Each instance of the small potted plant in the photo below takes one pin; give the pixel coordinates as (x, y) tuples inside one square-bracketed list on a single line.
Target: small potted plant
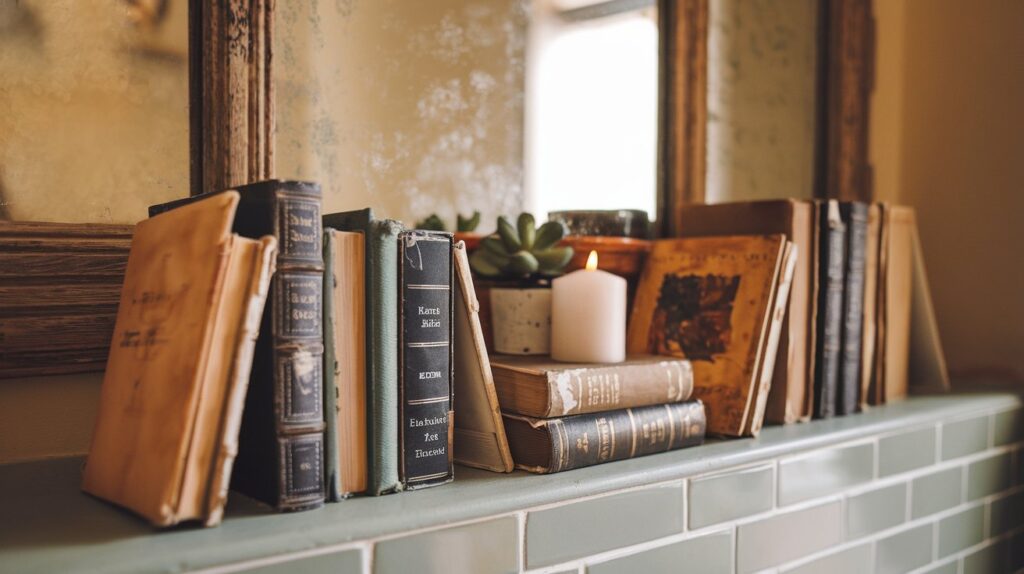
[(465, 228), (516, 265)]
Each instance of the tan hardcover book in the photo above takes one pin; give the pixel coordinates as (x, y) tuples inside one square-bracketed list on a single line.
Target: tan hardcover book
[(710, 300), (543, 388), (895, 282), (479, 435), (171, 403), (790, 399), (345, 438), (871, 274)]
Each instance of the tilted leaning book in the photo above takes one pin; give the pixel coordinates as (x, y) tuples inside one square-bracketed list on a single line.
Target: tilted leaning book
[(558, 444), (543, 388), (176, 379), (281, 446)]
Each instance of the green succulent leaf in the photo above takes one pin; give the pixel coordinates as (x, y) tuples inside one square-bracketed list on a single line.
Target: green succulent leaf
[(482, 265), (549, 234), (553, 260), (493, 244), (522, 263), (467, 224), (432, 223), (527, 230), (508, 235)]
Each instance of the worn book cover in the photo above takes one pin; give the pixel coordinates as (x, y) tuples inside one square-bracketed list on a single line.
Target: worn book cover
[(538, 386), (855, 219), (172, 397), (709, 300), (831, 271), (792, 390), (565, 443)]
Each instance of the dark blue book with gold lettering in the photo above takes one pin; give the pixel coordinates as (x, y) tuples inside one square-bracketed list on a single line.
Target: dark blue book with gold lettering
[(281, 442)]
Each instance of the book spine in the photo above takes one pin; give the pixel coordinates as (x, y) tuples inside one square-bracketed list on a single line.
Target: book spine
[(382, 353), (592, 390), (830, 310), (296, 332), (855, 218), (332, 474), (596, 438), (426, 358)]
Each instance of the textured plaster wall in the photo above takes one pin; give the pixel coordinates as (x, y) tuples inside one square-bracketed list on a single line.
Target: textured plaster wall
[(408, 107), (761, 99)]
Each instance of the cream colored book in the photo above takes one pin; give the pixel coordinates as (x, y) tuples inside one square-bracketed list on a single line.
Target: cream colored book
[(171, 404)]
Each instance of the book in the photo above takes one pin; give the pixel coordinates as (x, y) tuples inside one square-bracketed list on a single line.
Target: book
[(868, 336), (895, 279), (831, 253), (712, 301), (791, 396), (479, 435), (855, 219), (565, 443), (425, 358), (345, 459), (281, 446), (59, 288), (541, 387), (381, 244), (171, 403)]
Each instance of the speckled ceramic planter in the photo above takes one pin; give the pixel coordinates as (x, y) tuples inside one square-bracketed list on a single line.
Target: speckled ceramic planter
[(521, 319)]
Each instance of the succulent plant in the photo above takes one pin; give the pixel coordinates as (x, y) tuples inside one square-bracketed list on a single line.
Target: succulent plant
[(467, 224), (463, 224), (521, 251), (432, 223)]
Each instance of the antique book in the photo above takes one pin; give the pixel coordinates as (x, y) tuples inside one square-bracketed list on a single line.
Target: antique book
[(553, 445), (711, 300), (172, 397), (868, 336), (381, 243), (895, 283), (538, 386), (927, 369), (345, 460), (59, 288), (831, 255), (855, 220), (792, 386), (425, 358), (280, 458), (479, 434)]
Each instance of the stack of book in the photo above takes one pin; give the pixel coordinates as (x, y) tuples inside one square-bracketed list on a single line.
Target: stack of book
[(561, 416)]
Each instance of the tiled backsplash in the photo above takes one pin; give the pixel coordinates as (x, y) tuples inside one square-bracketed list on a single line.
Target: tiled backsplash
[(946, 496)]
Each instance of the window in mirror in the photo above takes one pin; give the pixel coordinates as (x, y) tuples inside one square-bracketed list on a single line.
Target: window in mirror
[(592, 105)]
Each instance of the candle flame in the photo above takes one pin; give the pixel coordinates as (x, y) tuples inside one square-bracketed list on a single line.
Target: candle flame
[(592, 261)]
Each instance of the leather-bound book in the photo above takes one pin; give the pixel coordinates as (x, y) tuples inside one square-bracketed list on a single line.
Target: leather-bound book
[(554, 445), (425, 358), (380, 238), (281, 447), (174, 388), (832, 252), (542, 388), (791, 396), (855, 219), (895, 283)]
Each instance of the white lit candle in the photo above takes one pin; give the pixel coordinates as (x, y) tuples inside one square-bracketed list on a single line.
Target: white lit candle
[(588, 316)]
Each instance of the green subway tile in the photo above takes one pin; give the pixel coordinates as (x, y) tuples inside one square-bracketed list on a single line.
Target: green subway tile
[(989, 476), (787, 537), (1017, 552), (935, 492), (728, 496), (1019, 455), (950, 567), (905, 551), (483, 547), (992, 558), (583, 528), (824, 472), (1006, 514), (961, 530), (707, 554), (906, 451), (876, 510), (1009, 427), (854, 560), (961, 438), (346, 562)]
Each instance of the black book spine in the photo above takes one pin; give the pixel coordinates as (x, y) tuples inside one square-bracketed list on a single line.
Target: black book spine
[(425, 358), (830, 309), (586, 440), (855, 218)]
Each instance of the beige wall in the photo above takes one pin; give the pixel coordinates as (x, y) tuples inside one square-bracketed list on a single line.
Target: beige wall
[(947, 136), (761, 99)]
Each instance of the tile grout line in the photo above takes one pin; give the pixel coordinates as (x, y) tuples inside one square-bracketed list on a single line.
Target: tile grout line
[(521, 519)]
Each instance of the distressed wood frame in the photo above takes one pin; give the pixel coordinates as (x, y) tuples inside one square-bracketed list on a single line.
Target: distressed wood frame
[(682, 108), (231, 93)]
